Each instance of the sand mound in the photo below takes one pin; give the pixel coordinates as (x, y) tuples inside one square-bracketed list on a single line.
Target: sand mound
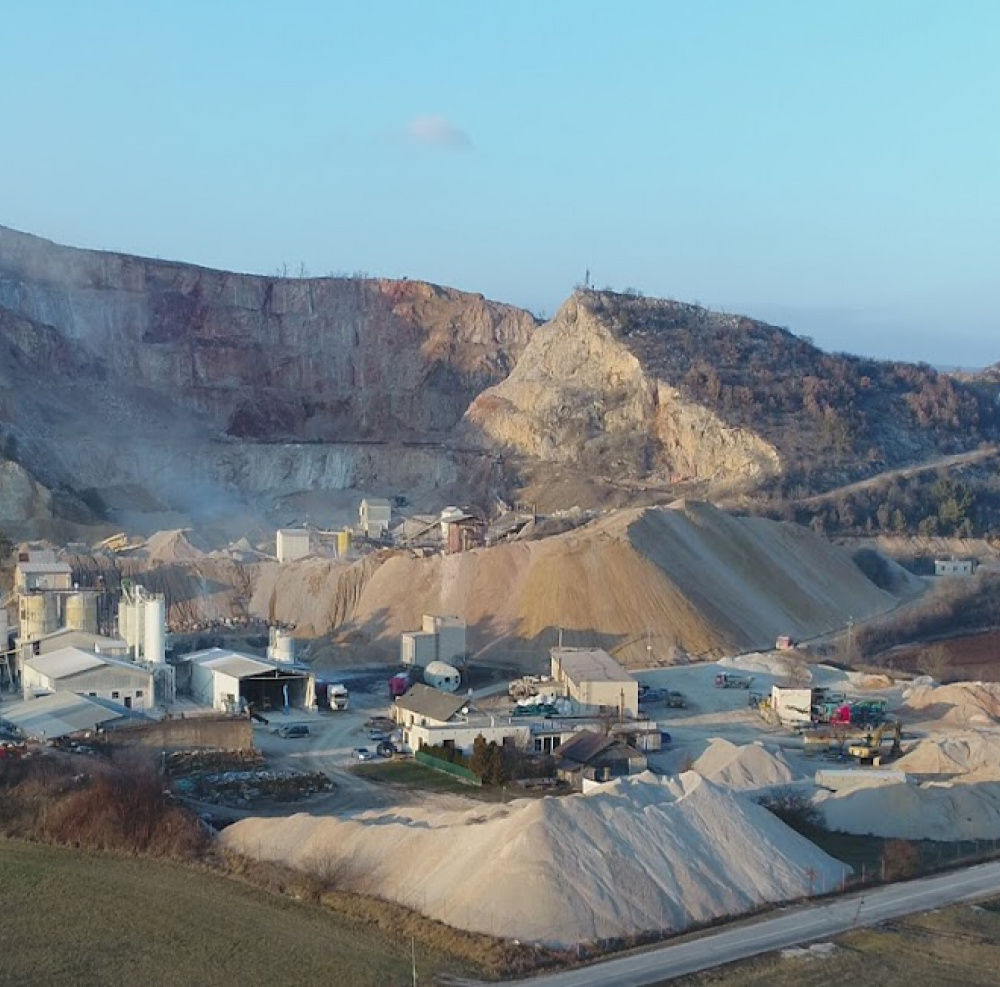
[(748, 767), (959, 754), (173, 546), (708, 583), (933, 811), (967, 704), (632, 855)]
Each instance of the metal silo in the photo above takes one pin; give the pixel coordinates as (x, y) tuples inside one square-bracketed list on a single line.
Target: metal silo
[(81, 612)]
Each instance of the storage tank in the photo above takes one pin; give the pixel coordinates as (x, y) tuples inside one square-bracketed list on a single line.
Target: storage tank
[(39, 614), (343, 542), (440, 675), (281, 647), (155, 631), (131, 622), (81, 612)]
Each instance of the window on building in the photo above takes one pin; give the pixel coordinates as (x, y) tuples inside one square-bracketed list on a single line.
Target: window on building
[(138, 693), (92, 694), (115, 694)]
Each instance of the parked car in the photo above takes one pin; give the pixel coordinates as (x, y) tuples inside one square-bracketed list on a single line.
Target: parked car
[(293, 730), (377, 735), (363, 754)]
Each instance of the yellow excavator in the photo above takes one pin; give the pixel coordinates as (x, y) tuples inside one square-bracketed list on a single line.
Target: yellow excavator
[(869, 750)]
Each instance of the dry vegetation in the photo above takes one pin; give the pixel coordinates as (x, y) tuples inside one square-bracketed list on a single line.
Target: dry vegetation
[(954, 606), (958, 945)]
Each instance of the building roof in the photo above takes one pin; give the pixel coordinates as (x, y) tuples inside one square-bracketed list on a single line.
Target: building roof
[(238, 665), (584, 746), (65, 662), (589, 665), (63, 713), (432, 703), (70, 637), (39, 568), (294, 532)]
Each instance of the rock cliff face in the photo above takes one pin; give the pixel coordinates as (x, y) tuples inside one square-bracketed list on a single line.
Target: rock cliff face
[(271, 358), (580, 395), (124, 370)]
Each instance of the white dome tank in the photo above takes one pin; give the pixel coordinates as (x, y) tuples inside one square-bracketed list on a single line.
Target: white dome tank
[(441, 675)]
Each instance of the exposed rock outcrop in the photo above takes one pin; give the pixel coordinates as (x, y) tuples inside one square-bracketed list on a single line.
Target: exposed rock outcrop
[(581, 395)]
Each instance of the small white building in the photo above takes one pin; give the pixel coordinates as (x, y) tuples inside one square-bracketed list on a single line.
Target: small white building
[(229, 680), (592, 678), (427, 716), (374, 515), (292, 544), (954, 567), (89, 674), (442, 638)]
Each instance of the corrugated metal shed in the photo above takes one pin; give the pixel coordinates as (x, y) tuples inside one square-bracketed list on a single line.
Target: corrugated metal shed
[(44, 568), (63, 714), (238, 665)]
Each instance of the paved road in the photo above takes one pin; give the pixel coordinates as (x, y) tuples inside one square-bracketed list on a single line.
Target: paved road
[(792, 927)]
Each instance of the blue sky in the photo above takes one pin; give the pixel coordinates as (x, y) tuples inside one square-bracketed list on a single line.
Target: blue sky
[(833, 167)]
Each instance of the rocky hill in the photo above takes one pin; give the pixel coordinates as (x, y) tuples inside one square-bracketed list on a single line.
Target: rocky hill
[(662, 391), (126, 381)]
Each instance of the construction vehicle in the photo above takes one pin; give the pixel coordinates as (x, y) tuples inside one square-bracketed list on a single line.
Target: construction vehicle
[(732, 680), (869, 750)]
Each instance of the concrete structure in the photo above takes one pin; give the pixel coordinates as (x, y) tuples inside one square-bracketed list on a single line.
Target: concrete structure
[(374, 516), (442, 638), (791, 706), (30, 576), (428, 716), (292, 544), (80, 611), (440, 675), (231, 680), (594, 680), (90, 674), (65, 714), (38, 615), (954, 567)]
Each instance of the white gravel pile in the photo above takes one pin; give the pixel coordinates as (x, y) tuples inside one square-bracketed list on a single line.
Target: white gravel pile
[(966, 704), (746, 767), (634, 855), (972, 752), (942, 811)]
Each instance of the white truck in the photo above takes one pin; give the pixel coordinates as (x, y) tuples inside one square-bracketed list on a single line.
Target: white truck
[(338, 696)]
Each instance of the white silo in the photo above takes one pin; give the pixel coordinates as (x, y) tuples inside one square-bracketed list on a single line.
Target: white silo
[(282, 646), (81, 612), (155, 631)]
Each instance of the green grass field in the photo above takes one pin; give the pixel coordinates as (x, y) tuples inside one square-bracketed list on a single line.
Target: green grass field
[(73, 917)]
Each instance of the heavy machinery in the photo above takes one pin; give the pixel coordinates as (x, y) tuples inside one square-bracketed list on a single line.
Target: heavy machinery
[(869, 750), (732, 680)]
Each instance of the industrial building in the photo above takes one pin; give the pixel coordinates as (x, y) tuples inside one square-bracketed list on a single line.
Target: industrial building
[(70, 637), (954, 567), (428, 716), (442, 638), (89, 674), (39, 570), (65, 714), (594, 680), (292, 544), (375, 515), (231, 681)]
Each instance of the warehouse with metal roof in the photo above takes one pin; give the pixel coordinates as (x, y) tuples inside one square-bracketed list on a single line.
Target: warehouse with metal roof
[(90, 674), (230, 680), (64, 714)]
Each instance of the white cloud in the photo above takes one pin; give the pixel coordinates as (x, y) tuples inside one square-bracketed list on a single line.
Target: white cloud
[(437, 131)]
